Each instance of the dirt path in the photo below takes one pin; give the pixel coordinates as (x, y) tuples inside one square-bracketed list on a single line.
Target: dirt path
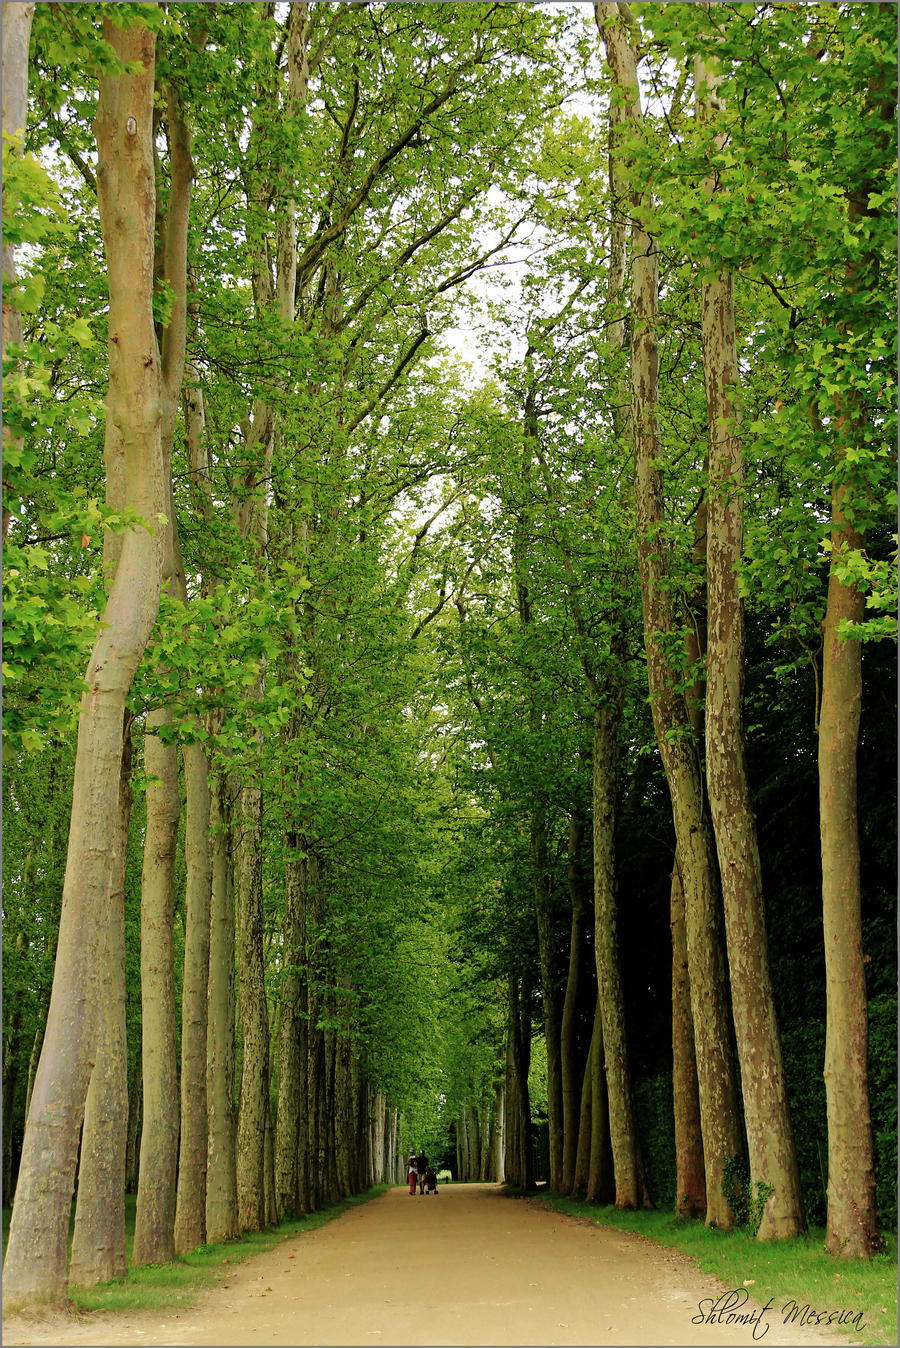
[(466, 1267)]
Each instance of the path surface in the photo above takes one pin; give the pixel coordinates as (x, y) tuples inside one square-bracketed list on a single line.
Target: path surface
[(466, 1267)]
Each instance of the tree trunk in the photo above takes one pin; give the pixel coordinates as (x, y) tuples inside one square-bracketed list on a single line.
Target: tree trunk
[(98, 1240), (379, 1149), (519, 1160), (498, 1134), (690, 1177), (254, 1092), (770, 1143), (572, 1073), (287, 1127), (549, 991), (154, 1226), (583, 1152), (462, 1133), (221, 1174), (715, 1071), (36, 1255), (343, 1116), (852, 1221), (270, 1206), (622, 1122), (600, 1185), (484, 1131), (190, 1208)]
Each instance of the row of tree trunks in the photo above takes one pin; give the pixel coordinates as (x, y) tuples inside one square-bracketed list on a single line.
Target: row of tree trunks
[(36, 1263)]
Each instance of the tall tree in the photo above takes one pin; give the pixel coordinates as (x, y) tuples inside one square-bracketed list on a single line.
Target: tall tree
[(718, 1103), (35, 1263), (773, 1163)]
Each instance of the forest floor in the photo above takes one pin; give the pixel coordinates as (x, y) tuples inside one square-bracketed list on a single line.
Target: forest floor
[(469, 1266)]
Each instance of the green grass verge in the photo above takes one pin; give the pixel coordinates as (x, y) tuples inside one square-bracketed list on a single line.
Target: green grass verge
[(159, 1287), (795, 1270)]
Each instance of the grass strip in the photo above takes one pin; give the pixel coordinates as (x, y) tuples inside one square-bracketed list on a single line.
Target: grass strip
[(160, 1287), (791, 1273)]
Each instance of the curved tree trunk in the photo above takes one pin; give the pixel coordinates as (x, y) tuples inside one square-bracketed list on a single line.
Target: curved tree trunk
[(36, 1255)]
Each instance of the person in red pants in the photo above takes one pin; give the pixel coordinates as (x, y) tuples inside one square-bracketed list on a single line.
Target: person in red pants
[(412, 1172)]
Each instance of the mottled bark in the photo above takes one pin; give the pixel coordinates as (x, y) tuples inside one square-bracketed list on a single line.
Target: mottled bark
[(154, 1232), (154, 1225), (690, 1176), (622, 1121), (36, 1255), (190, 1206), (221, 1174), (98, 1240), (715, 1069), (254, 1093), (770, 1143)]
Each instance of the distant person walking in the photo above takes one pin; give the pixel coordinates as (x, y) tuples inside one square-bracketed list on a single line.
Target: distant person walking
[(421, 1167), (412, 1172)]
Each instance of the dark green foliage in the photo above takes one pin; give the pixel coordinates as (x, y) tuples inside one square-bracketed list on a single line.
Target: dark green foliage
[(803, 1052), (656, 1128), (746, 1204), (883, 1101)]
